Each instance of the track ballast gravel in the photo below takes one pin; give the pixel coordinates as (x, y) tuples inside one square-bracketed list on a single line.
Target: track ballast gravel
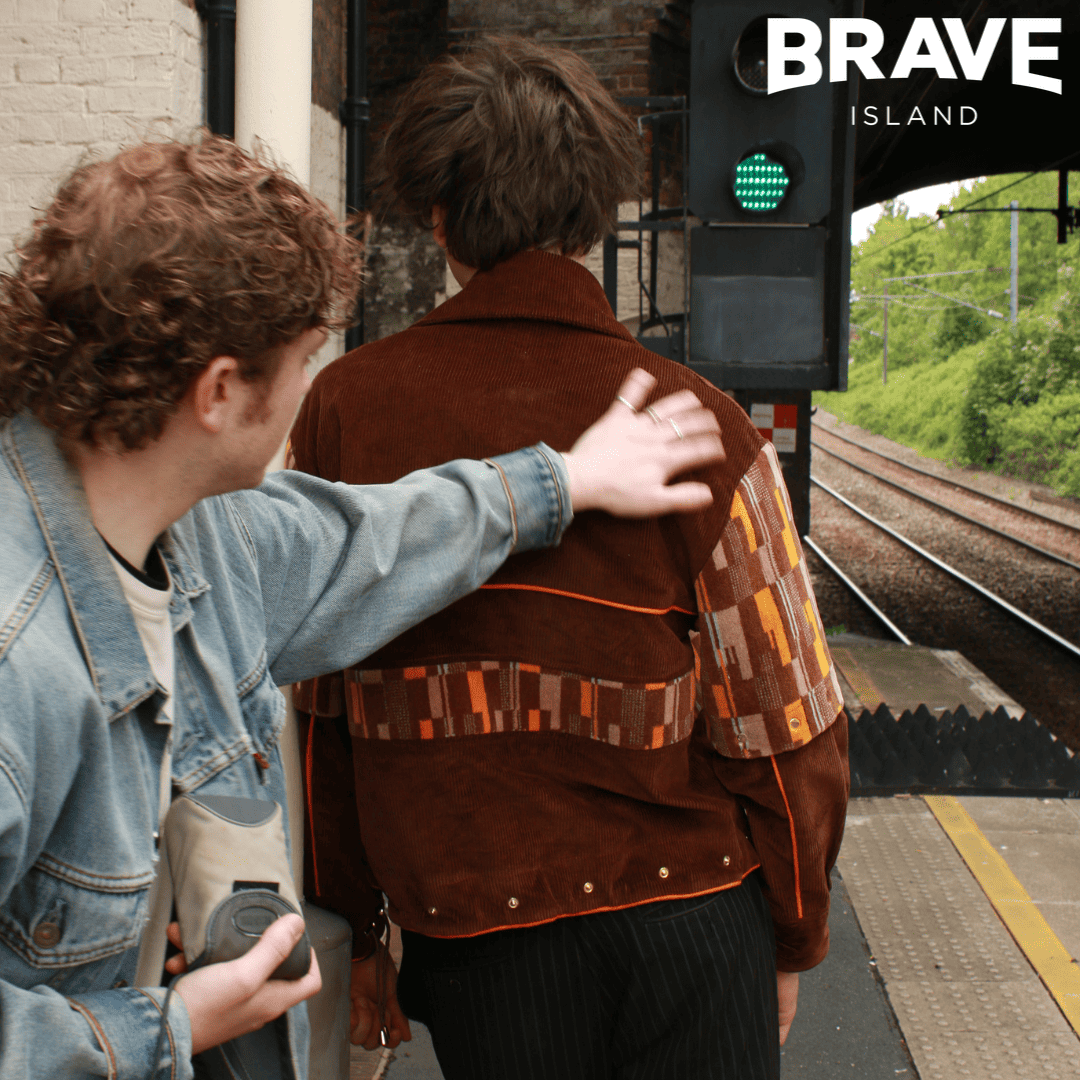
[(935, 610)]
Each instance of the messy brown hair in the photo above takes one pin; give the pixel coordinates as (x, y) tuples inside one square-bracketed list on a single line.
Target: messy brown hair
[(519, 144), (146, 267)]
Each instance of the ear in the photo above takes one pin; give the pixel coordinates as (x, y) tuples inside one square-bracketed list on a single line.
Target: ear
[(214, 393), (438, 226)]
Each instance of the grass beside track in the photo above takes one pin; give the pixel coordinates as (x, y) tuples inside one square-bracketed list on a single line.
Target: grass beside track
[(919, 406)]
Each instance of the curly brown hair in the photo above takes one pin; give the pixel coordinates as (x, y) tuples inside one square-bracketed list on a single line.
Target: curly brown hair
[(521, 146), (146, 267)]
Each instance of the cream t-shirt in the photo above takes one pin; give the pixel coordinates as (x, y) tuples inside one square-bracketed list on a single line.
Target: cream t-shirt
[(150, 609)]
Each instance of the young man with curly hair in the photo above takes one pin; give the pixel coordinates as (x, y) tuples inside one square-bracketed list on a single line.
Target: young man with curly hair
[(602, 794), (155, 589)]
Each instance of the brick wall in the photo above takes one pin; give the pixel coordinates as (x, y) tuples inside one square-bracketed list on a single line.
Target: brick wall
[(81, 77), (406, 268), (613, 35)]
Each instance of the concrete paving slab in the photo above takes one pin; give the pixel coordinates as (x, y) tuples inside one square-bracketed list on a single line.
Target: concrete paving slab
[(967, 1001), (1039, 815), (852, 702), (1040, 840), (415, 1060), (973, 1031)]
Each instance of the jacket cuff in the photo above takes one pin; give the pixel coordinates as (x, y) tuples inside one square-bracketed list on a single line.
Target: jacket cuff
[(127, 1024), (537, 486), (802, 946)]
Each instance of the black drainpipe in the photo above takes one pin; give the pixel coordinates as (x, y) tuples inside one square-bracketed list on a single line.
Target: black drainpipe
[(354, 116), (220, 16)]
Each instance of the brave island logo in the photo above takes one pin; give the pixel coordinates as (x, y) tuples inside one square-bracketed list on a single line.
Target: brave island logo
[(798, 42)]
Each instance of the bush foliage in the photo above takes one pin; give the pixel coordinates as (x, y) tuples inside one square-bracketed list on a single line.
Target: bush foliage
[(963, 385)]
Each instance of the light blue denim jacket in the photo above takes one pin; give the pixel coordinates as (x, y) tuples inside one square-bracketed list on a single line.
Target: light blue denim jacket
[(293, 579)]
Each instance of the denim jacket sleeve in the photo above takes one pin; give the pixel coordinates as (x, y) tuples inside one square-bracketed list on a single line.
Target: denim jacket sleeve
[(344, 569), (110, 1033)]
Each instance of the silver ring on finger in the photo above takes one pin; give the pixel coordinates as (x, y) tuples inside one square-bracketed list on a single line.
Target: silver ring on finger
[(671, 421), (656, 418), (619, 397)]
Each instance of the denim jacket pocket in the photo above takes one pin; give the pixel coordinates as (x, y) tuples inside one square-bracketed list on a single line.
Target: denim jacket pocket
[(263, 706), (64, 932)]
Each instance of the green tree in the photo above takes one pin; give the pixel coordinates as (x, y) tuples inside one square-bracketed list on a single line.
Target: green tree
[(959, 327), (964, 384), (1022, 409)]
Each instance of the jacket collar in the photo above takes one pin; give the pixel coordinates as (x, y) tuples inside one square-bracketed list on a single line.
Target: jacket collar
[(533, 285), (101, 616)]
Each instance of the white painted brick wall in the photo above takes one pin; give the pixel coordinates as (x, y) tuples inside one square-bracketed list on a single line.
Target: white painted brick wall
[(84, 77)]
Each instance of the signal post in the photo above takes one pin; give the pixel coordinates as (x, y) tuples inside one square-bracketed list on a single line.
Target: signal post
[(771, 178)]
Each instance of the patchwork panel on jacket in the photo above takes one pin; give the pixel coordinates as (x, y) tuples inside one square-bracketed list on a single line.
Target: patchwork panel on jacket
[(767, 680), (482, 697)]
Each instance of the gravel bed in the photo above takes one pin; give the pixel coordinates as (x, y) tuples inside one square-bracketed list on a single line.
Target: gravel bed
[(1063, 539), (1045, 590), (933, 609), (1065, 511), (840, 611)]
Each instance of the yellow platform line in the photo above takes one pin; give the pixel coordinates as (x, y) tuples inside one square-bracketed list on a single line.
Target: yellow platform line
[(858, 678), (1049, 958)]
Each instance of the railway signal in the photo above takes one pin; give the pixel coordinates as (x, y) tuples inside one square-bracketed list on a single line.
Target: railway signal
[(771, 179)]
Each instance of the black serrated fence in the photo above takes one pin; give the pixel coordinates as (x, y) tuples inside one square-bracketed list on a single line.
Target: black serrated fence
[(921, 753)]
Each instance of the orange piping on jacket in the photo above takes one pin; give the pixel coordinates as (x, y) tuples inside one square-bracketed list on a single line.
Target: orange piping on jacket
[(592, 911), (593, 599), (794, 845)]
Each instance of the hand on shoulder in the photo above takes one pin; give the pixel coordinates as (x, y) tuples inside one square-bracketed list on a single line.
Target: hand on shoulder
[(625, 462)]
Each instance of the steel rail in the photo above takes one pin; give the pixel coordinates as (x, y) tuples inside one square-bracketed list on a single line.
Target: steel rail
[(952, 571), (946, 480), (859, 594), (948, 509)]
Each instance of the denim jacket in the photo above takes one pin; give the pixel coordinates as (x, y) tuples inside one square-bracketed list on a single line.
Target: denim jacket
[(293, 579)]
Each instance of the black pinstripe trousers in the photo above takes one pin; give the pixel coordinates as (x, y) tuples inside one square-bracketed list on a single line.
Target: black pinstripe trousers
[(676, 990)]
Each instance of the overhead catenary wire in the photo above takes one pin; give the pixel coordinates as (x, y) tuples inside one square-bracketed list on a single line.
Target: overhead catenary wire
[(859, 326), (952, 273), (962, 303), (914, 296), (923, 310), (975, 202)]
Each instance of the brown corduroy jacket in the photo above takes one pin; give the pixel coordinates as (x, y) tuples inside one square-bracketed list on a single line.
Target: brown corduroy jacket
[(647, 711)]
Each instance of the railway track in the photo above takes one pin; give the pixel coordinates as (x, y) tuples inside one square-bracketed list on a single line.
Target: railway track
[(1072, 532), (917, 595), (1036, 567), (1011, 537), (1033, 624)]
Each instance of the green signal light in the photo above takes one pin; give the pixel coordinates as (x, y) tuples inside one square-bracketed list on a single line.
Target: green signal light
[(760, 183)]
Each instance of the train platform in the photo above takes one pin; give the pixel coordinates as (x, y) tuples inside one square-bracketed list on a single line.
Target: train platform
[(873, 672), (954, 926)]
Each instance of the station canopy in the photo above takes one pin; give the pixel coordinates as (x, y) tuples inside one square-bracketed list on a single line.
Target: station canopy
[(1019, 129)]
